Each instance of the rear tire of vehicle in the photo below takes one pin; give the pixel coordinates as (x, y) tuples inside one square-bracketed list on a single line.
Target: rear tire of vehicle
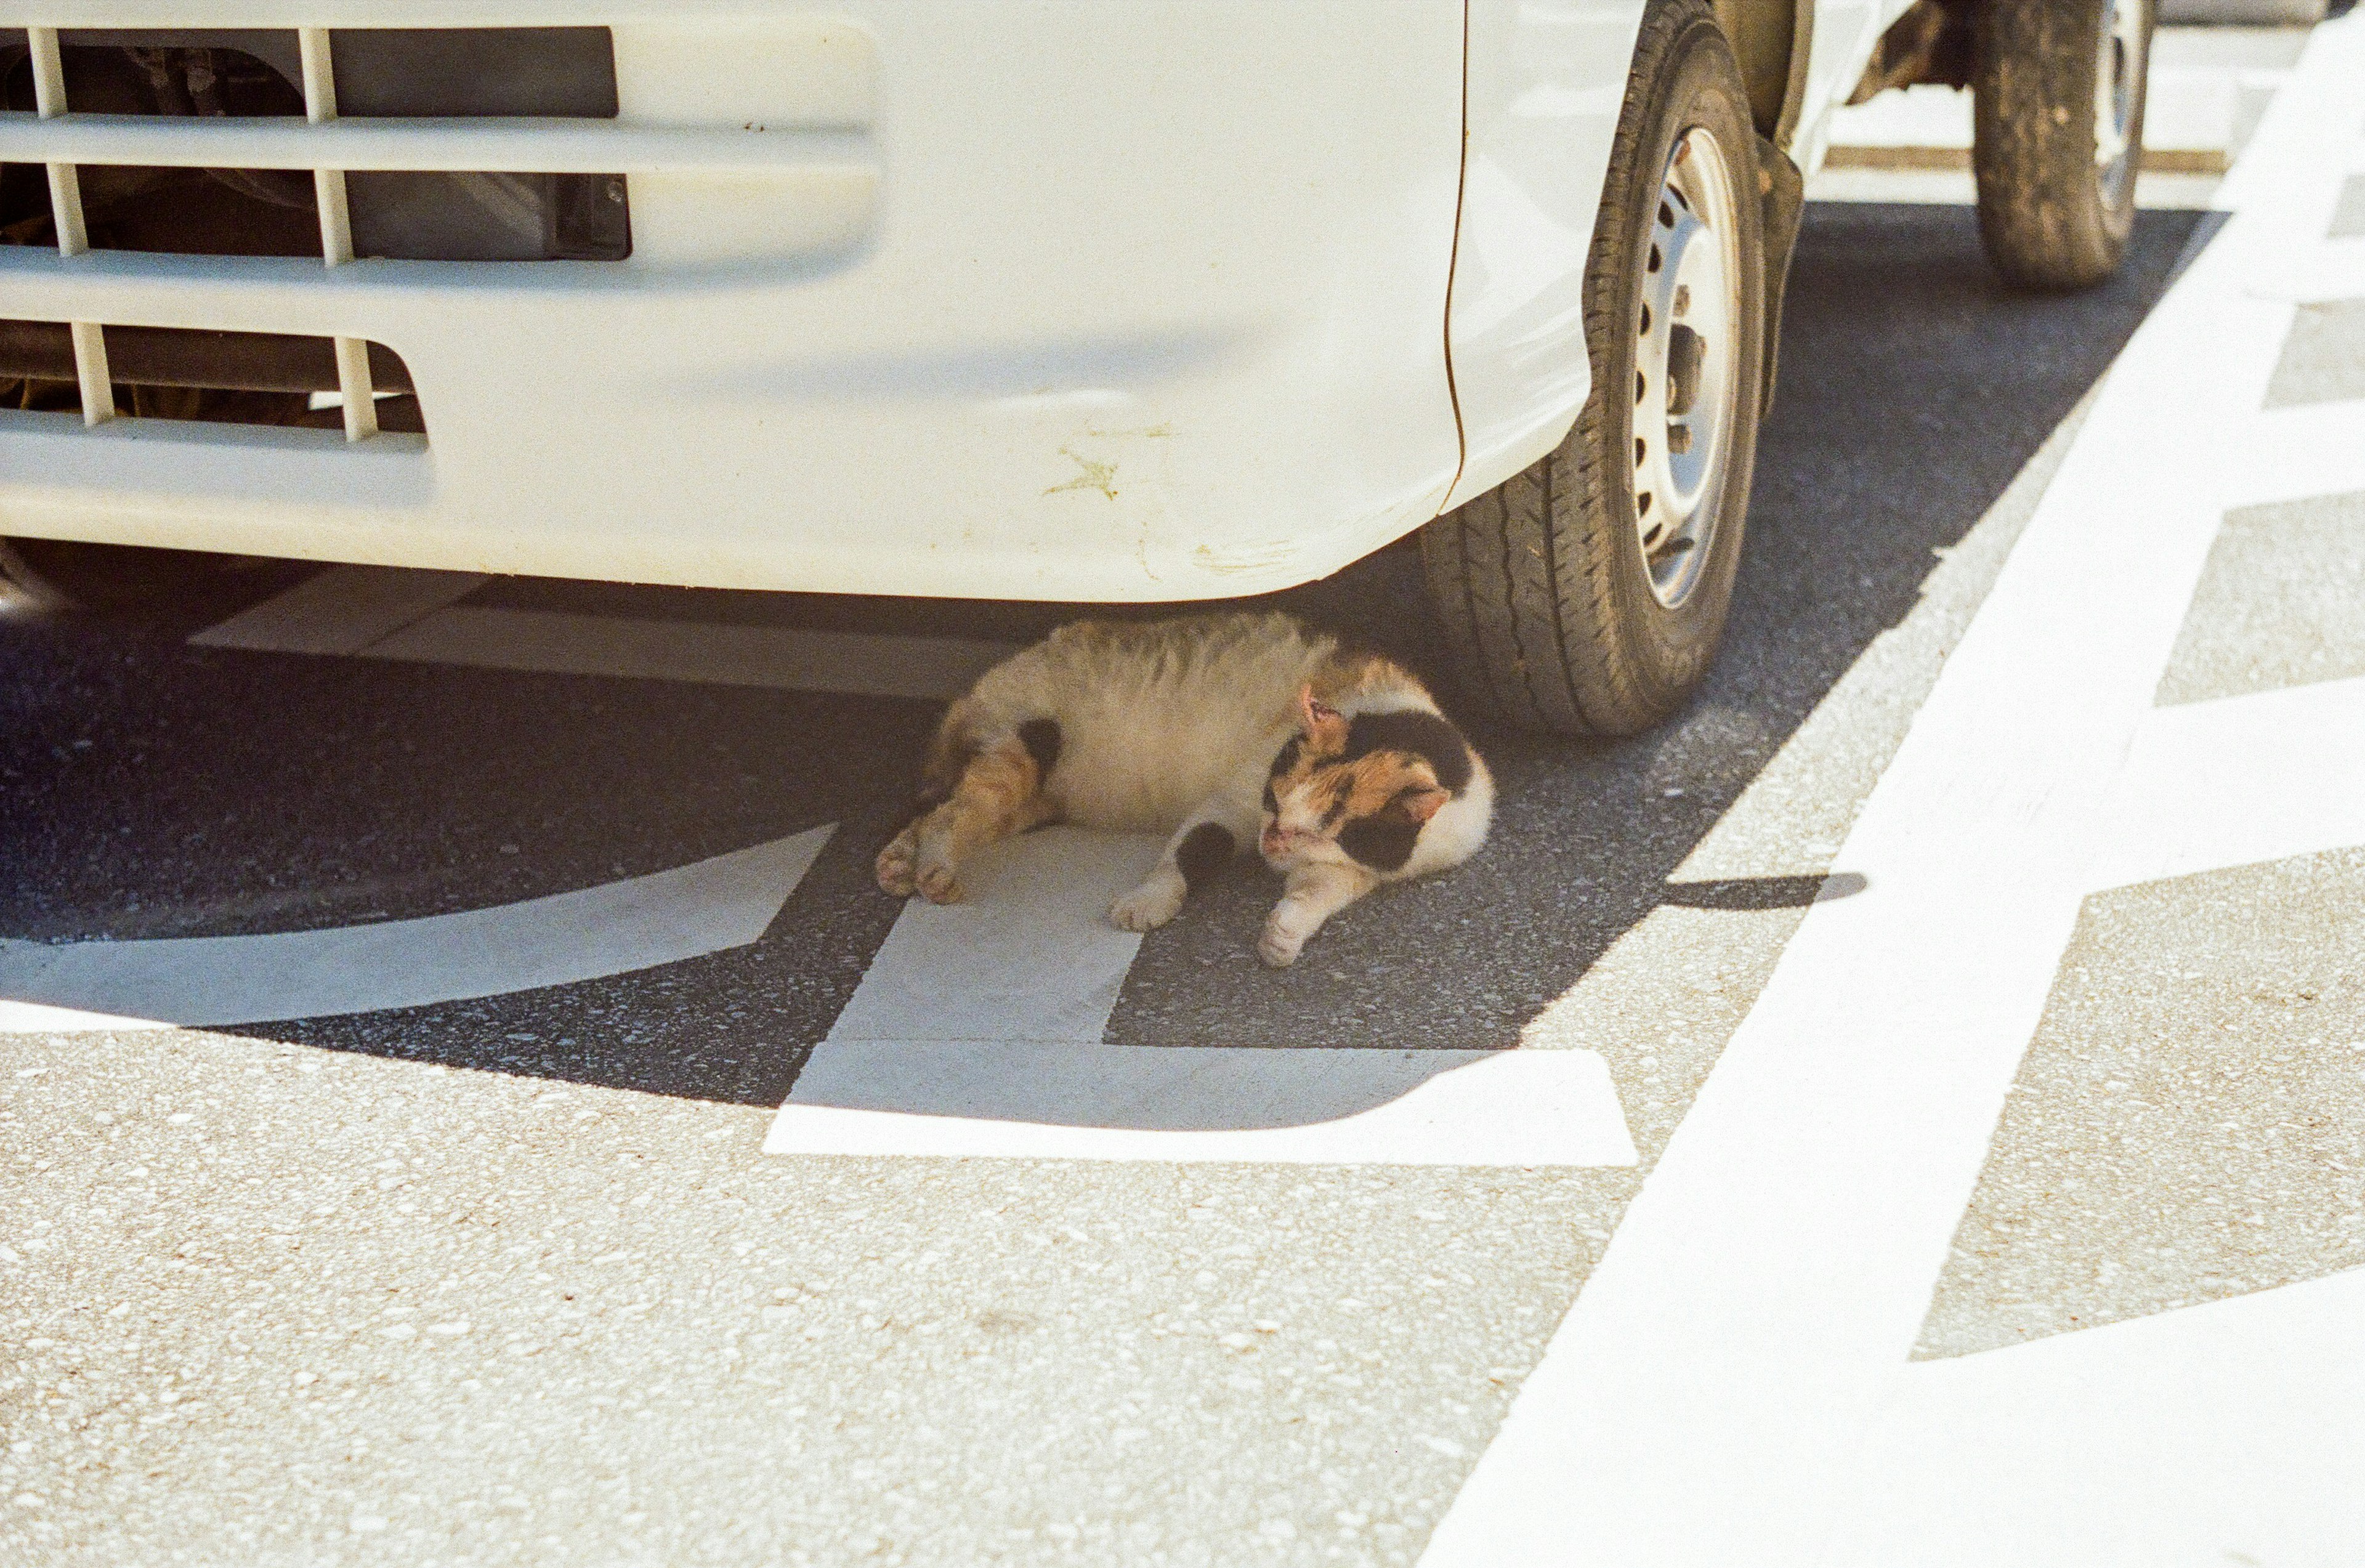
[(1586, 596), (2058, 94), (61, 575)]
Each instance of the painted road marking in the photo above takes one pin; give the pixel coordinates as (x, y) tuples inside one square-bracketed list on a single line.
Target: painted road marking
[(2298, 452), (1278, 1106), (1723, 1363), (782, 657), (1028, 955), (383, 613), (977, 1031), (2235, 780), (2236, 1425), (638, 923), (2334, 273), (341, 611)]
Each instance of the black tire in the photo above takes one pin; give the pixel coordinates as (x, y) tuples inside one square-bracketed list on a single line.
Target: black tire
[(69, 574), (2054, 213), (1542, 582)]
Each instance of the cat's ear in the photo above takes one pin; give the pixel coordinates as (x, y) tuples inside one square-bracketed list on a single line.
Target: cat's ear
[(1420, 804), (1321, 720)]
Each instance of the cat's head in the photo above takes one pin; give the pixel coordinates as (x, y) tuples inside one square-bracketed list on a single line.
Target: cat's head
[(1359, 790)]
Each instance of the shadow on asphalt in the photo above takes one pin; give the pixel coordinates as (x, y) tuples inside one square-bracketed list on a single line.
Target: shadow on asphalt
[(154, 790)]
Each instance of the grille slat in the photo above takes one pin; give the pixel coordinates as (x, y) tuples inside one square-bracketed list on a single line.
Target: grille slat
[(354, 393), (50, 100), (181, 356), (453, 146)]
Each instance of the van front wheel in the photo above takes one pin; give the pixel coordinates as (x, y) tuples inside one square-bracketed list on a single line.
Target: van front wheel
[(1586, 596)]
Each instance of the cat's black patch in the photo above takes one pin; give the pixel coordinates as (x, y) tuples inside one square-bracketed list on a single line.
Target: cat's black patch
[(1411, 730), (1041, 738), (1285, 759), (1383, 841), (1204, 850)]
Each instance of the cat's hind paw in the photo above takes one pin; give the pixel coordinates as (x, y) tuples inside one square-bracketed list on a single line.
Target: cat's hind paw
[(1150, 905)]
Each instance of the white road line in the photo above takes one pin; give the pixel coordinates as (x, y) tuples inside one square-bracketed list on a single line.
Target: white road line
[(341, 611), (685, 912), (2240, 779), (1721, 1366), (2223, 1434), (1282, 1105), (382, 613), (2296, 453), (2334, 272), (977, 1031)]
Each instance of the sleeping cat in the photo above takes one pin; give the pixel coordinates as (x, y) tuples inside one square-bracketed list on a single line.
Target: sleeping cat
[(1222, 731)]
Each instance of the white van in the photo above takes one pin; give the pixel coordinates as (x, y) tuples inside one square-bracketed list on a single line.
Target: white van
[(1104, 300)]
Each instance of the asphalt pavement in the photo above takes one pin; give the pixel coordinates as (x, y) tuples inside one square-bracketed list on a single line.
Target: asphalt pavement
[(545, 1257)]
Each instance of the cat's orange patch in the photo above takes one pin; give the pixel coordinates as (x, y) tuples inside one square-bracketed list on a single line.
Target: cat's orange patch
[(1341, 791)]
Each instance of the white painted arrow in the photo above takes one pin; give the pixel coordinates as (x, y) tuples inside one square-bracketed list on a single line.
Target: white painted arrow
[(663, 918)]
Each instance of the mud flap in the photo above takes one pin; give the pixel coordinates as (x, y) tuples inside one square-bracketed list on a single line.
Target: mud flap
[(1782, 198)]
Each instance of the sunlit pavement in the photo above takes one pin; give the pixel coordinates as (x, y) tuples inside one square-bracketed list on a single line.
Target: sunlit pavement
[(561, 1153)]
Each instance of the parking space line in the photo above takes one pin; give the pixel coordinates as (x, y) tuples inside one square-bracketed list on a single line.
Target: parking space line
[(977, 1031), (385, 613), (341, 611), (2237, 780), (638, 923), (1706, 1400), (2234, 1423)]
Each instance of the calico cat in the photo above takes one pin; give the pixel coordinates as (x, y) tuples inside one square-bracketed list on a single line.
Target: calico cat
[(1222, 731)]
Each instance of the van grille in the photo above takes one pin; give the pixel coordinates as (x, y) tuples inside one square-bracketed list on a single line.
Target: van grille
[(247, 378), (342, 144)]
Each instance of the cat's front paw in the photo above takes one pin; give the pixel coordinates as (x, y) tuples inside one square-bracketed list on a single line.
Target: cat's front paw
[(1281, 941), (938, 882), (1148, 906), (895, 871)]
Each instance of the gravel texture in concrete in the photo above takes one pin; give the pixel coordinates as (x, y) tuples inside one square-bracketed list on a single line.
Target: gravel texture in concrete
[(2278, 602), (2323, 359)]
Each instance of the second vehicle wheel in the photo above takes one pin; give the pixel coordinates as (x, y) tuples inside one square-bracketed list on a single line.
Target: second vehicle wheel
[(2057, 108), (1586, 596)]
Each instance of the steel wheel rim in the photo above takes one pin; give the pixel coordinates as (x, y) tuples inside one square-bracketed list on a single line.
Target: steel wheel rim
[(2118, 83), (1686, 343)]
